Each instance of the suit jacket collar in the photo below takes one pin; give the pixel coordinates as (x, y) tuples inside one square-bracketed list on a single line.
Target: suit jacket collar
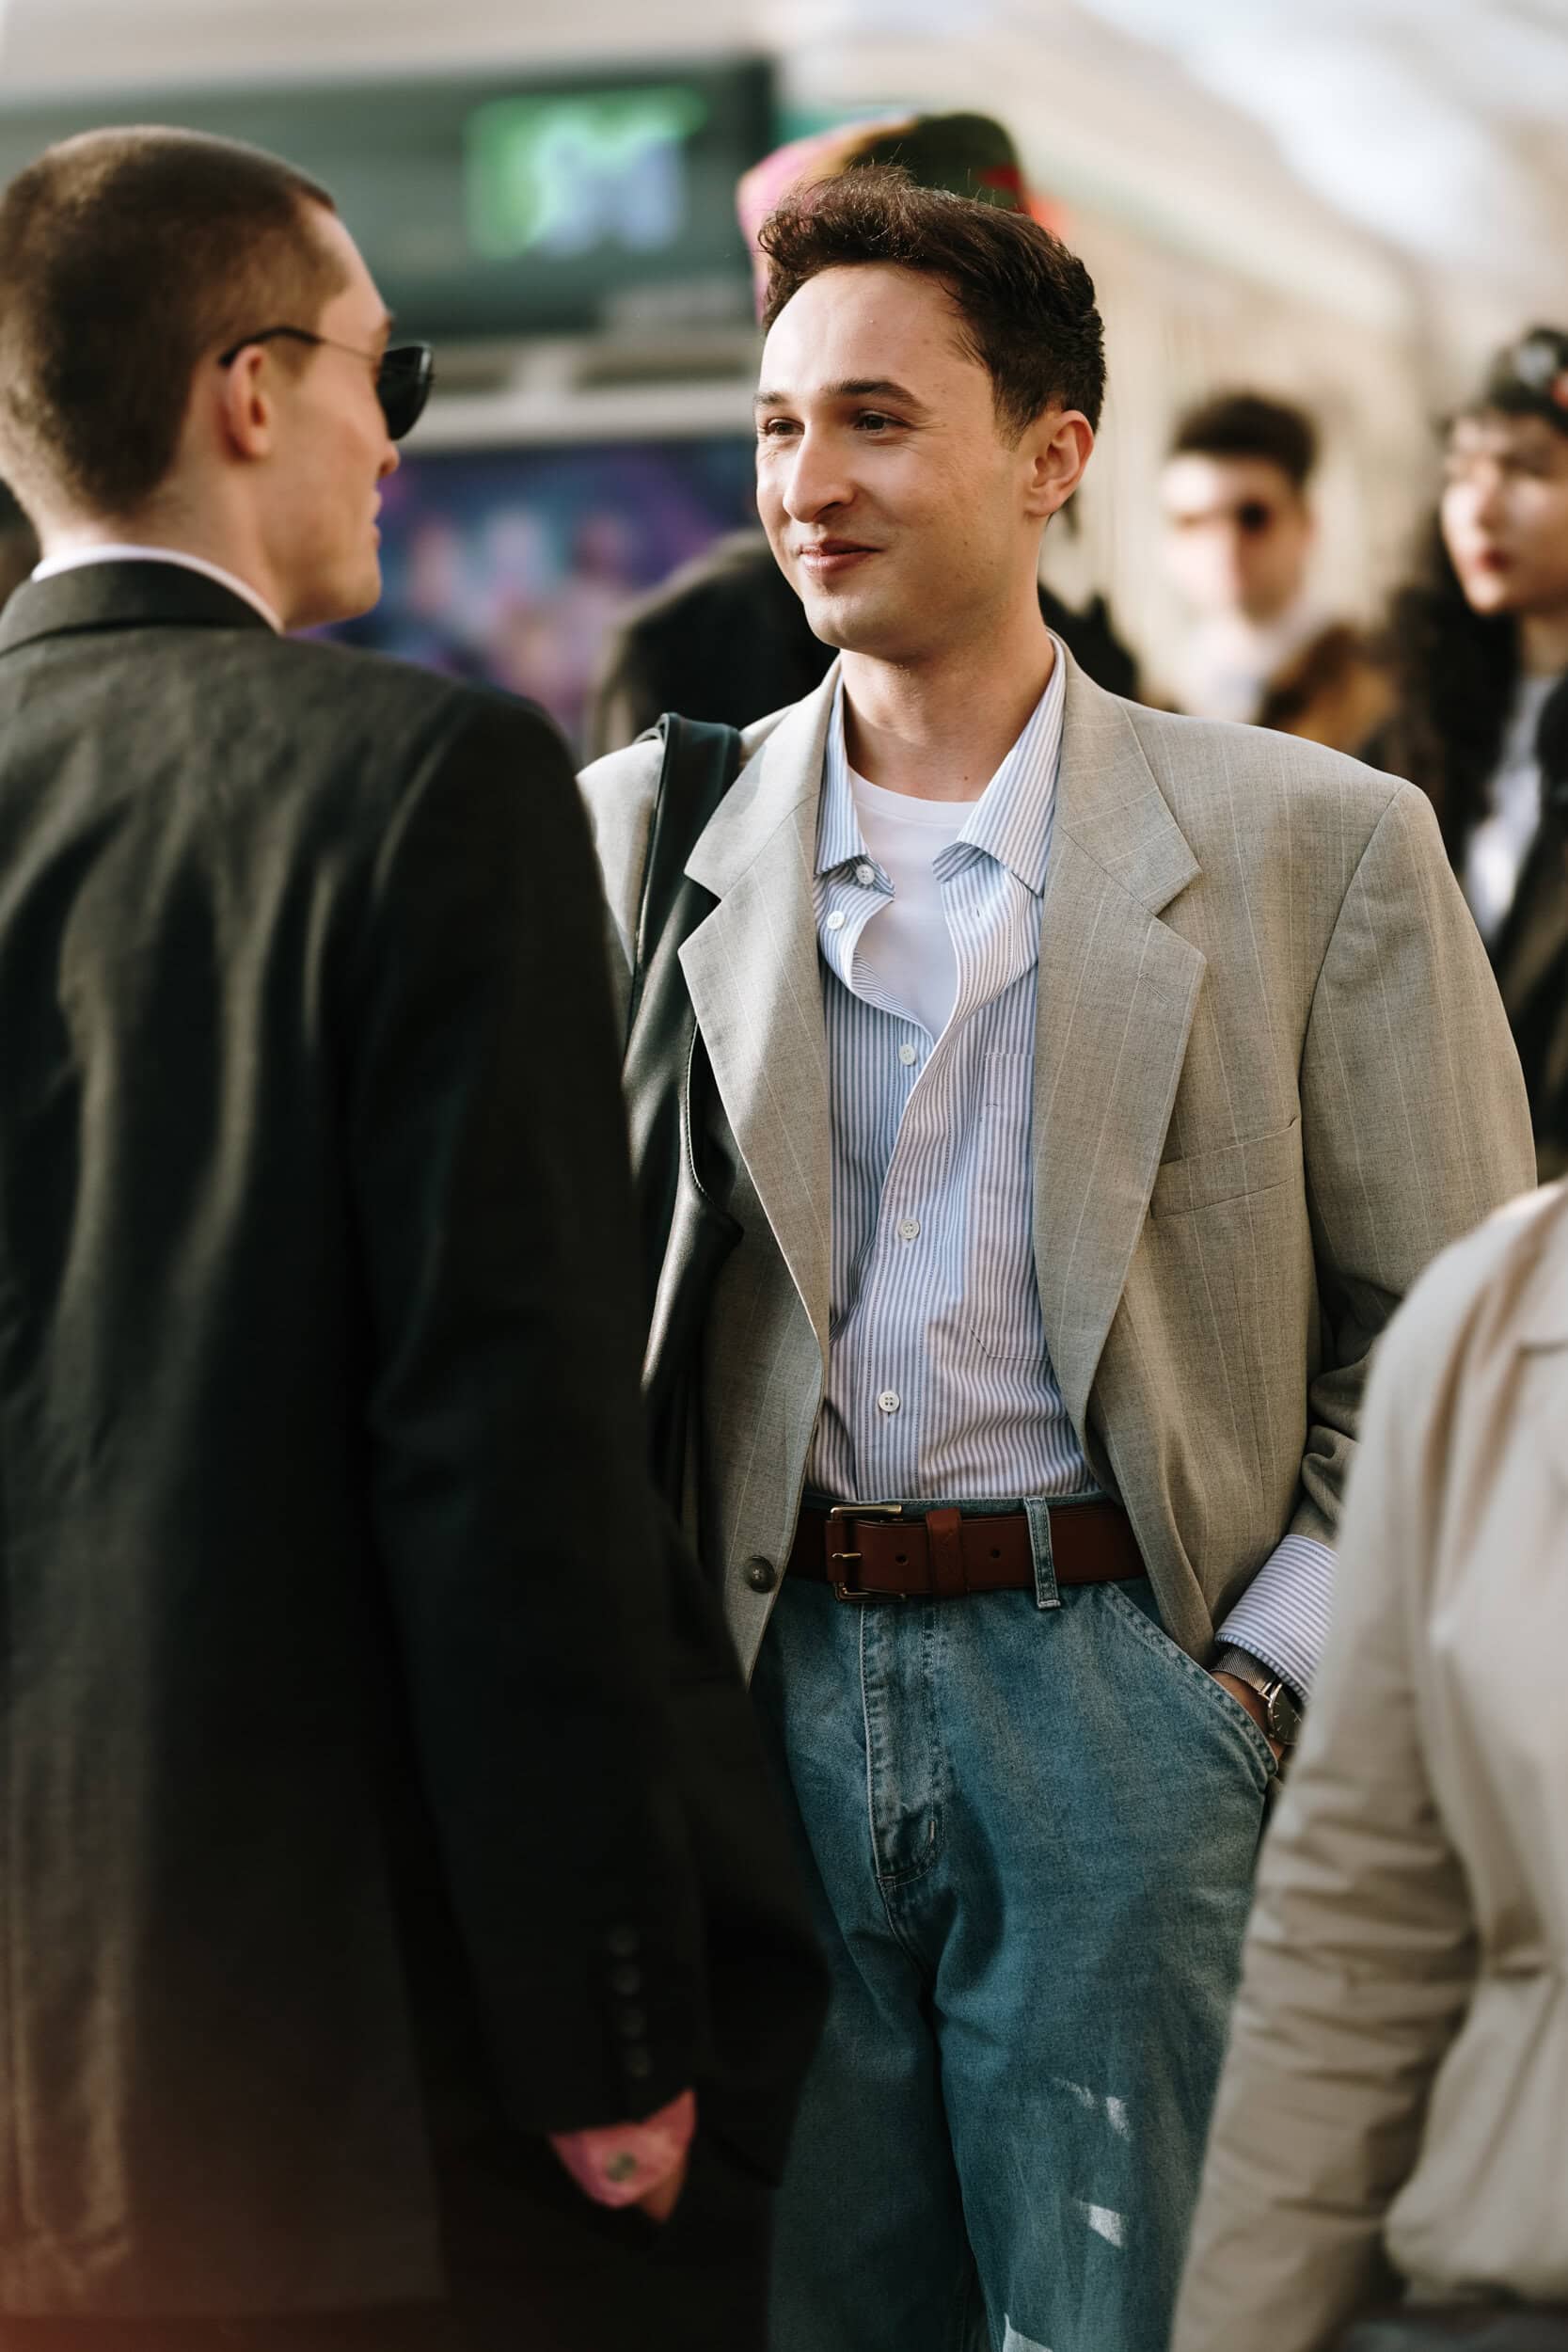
[(1118, 988), (121, 596), (752, 974)]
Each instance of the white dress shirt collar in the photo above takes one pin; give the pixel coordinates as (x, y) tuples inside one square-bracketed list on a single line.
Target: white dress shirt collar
[(123, 551), (1010, 822)]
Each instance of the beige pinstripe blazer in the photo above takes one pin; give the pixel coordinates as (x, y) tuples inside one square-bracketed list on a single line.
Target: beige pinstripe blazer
[(1273, 1078), (1398, 2081)]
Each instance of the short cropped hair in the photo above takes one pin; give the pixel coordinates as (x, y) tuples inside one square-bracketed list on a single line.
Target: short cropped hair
[(126, 258), (1026, 304), (1246, 424)]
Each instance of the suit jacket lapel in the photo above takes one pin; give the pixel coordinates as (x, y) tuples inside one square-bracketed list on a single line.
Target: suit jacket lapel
[(1117, 992), (752, 968)]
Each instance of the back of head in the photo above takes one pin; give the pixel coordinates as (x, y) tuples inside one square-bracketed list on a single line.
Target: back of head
[(1248, 424), (1026, 304), (127, 257)]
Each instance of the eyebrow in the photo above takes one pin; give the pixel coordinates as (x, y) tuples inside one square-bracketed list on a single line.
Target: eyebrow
[(851, 387)]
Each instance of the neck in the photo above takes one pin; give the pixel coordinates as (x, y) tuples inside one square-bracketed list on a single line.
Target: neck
[(939, 728), (181, 533), (1544, 643)]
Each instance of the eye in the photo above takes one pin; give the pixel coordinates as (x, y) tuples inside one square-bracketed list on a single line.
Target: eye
[(774, 428), (873, 420)]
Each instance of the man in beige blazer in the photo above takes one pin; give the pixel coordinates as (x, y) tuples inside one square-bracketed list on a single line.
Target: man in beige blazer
[(1396, 2099), (1091, 1084)]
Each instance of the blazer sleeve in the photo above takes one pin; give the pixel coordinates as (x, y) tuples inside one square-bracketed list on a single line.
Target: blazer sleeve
[(1360, 1957), (522, 1545), (620, 793), (1414, 1117)]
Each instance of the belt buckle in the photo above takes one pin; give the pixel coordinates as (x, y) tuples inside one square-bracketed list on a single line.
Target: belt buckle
[(862, 1510)]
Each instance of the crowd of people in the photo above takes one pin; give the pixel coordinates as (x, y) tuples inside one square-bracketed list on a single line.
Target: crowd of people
[(780, 1530)]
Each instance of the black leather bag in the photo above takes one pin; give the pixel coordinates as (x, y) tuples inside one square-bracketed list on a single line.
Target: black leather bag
[(687, 1234), (1461, 2327)]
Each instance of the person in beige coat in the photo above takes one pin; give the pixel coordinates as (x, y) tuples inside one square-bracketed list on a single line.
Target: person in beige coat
[(1395, 2104), (1088, 1085)]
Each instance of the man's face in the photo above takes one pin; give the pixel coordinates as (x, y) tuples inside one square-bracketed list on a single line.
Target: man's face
[(1237, 535), (1505, 512), (896, 509), (333, 453)]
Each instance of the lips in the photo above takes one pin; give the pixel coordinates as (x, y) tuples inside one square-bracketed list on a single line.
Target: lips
[(830, 559)]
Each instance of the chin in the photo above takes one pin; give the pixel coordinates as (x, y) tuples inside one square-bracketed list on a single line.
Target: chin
[(853, 627), (345, 600), (1487, 593)]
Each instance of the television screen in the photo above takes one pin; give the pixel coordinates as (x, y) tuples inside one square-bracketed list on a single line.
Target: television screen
[(513, 565), (487, 205)]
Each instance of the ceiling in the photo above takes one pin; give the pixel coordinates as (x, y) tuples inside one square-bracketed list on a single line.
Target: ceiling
[(1339, 144)]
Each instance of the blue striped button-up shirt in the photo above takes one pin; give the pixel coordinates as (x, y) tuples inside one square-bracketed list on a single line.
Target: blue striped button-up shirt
[(940, 1381)]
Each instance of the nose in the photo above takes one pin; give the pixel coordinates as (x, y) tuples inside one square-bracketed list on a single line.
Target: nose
[(815, 479), (392, 458), (1486, 495)]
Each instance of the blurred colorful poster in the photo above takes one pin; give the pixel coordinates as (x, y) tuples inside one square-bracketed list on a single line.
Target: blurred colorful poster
[(513, 565)]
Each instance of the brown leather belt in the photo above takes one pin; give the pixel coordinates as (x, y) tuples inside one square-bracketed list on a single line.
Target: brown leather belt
[(900, 1551)]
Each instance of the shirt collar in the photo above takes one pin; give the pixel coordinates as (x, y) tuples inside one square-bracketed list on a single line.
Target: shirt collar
[(1009, 823), (125, 552)]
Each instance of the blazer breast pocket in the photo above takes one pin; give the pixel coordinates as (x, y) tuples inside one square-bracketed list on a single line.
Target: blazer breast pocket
[(1232, 1171)]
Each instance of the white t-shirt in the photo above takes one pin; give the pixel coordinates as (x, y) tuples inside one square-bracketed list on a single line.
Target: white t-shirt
[(1495, 852), (907, 943)]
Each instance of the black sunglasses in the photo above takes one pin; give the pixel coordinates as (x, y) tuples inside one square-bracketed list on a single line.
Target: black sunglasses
[(402, 377)]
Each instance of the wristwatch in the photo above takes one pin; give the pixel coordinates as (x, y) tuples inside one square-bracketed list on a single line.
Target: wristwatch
[(1281, 1708)]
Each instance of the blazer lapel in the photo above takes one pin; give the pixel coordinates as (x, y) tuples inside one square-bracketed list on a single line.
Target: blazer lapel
[(752, 968), (1117, 992)]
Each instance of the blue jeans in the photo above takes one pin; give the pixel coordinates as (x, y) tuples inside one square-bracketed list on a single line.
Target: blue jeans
[(1030, 1834)]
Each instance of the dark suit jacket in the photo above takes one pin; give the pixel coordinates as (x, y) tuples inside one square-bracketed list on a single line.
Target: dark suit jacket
[(1531, 958), (348, 1818)]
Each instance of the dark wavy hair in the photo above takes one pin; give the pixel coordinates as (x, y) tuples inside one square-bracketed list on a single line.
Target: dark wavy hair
[(1455, 671), (1026, 304)]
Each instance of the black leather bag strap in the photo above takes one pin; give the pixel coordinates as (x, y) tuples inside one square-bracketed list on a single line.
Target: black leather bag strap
[(686, 1234)]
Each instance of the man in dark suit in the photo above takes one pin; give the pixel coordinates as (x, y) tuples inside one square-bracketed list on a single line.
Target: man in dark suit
[(379, 1799)]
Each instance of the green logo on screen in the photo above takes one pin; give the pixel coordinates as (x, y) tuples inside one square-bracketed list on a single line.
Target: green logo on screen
[(555, 177)]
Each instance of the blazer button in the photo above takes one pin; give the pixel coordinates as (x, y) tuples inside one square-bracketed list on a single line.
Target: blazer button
[(622, 1942), (626, 1981), (631, 2024), (761, 1575), (639, 2063)]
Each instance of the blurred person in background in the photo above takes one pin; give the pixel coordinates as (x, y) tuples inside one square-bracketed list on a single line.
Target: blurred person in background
[(1051, 1106), (1479, 643), (726, 637), (1239, 538), (1394, 2109), (358, 1840)]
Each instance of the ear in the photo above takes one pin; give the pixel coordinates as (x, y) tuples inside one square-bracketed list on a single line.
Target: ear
[(245, 409), (1055, 450)]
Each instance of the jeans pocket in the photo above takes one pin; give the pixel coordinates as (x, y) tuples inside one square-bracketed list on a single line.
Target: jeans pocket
[(1200, 1686)]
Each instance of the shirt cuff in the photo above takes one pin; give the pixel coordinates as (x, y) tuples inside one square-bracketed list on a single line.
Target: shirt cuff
[(618, 2163), (1282, 1617)]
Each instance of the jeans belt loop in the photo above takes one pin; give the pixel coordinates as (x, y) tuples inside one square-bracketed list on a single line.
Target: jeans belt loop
[(1037, 1512)]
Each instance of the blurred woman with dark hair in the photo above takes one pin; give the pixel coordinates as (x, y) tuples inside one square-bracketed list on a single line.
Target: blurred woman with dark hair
[(1479, 644)]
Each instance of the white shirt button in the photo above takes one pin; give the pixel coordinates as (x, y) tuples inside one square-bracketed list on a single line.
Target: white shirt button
[(909, 1228), (835, 920), (865, 874), (889, 1401), (908, 1054)]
